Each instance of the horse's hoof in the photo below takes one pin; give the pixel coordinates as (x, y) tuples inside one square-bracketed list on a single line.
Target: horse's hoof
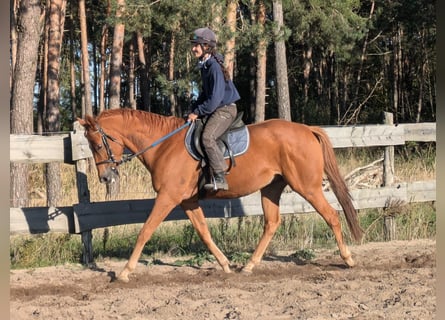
[(123, 278), (227, 269), (246, 272), (350, 262)]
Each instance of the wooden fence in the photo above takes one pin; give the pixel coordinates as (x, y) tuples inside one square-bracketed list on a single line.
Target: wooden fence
[(83, 217)]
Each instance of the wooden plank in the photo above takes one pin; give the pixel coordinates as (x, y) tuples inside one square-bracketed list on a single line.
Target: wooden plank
[(425, 131), (102, 214), (379, 197), (36, 148), (79, 143), (421, 191), (40, 149), (365, 136), (72, 147), (41, 220), (362, 199), (88, 216)]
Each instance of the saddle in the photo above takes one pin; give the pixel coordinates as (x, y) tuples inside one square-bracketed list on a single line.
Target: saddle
[(234, 142)]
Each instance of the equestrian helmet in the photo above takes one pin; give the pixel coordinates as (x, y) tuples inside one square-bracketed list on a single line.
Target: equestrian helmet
[(204, 36)]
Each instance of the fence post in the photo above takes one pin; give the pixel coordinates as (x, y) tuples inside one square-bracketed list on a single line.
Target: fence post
[(388, 180), (84, 197)]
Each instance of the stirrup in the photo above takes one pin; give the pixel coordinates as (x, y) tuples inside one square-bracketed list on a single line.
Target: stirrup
[(216, 185)]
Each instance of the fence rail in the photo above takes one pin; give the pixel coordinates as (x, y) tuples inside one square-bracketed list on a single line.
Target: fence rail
[(70, 147), (88, 216), (83, 217)]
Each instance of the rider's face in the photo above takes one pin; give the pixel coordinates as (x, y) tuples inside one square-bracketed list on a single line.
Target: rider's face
[(197, 50)]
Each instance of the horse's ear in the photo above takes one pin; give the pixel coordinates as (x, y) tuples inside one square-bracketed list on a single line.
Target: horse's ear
[(81, 121), (87, 122)]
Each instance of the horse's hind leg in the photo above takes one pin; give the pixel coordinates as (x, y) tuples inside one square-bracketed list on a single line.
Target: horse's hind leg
[(196, 216), (270, 198), (330, 215)]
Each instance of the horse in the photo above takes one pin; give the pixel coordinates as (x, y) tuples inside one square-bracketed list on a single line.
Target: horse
[(280, 153)]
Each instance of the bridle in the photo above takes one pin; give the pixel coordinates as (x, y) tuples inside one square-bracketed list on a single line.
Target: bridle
[(125, 158), (111, 157)]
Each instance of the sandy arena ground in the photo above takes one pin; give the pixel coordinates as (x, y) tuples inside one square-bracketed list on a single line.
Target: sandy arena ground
[(392, 280)]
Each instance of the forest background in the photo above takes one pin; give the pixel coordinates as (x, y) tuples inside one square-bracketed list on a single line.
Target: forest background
[(312, 61)]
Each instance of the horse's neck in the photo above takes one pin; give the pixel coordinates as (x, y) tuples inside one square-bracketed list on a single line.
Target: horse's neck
[(139, 130), (157, 126)]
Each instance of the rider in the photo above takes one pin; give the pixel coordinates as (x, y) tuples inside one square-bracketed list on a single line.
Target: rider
[(216, 102)]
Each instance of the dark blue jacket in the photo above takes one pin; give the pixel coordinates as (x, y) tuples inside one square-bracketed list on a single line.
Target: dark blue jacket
[(216, 91)]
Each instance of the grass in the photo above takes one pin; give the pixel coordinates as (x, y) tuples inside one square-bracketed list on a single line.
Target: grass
[(31, 251), (236, 237)]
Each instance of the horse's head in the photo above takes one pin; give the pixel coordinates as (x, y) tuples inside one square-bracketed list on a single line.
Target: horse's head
[(107, 150)]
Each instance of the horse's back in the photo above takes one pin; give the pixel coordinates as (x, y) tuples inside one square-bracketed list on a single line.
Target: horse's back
[(278, 131), (275, 124)]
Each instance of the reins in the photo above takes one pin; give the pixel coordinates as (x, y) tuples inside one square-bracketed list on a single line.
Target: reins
[(126, 158)]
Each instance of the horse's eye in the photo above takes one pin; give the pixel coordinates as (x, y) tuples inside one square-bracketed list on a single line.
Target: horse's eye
[(97, 147)]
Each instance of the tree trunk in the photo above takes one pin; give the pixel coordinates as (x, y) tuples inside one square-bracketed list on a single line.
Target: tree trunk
[(260, 100), (344, 92), (252, 69), (363, 55), (396, 74), (230, 43), (22, 95), (13, 34), (216, 15), (143, 74), (307, 67), (400, 74), (281, 64), (95, 84), (116, 58), (171, 74), (72, 62), (131, 77), (103, 72), (55, 34), (56, 23), (427, 77), (85, 61), (41, 106), (334, 111), (421, 77)]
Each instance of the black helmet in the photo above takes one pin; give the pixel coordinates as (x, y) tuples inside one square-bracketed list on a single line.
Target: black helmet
[(204, 36)]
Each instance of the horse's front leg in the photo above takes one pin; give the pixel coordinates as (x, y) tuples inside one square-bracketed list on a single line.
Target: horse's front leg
[(161, 208), (195, 214)]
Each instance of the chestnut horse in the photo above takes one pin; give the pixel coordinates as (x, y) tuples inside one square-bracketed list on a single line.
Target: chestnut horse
[(280, 153)]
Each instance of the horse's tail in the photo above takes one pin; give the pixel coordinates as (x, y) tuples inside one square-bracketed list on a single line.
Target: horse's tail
[(338, 183)]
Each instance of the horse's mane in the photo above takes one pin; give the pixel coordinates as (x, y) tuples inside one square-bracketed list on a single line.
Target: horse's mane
[(145, 118)]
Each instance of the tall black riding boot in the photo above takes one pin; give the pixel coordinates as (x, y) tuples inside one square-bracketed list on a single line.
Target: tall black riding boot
[(218, 182)]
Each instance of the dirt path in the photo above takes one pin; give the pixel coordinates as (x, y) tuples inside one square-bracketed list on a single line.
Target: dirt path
[(392, 280)]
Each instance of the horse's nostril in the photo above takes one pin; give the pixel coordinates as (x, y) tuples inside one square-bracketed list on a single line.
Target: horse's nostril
[(106, 178), (110, 175)]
